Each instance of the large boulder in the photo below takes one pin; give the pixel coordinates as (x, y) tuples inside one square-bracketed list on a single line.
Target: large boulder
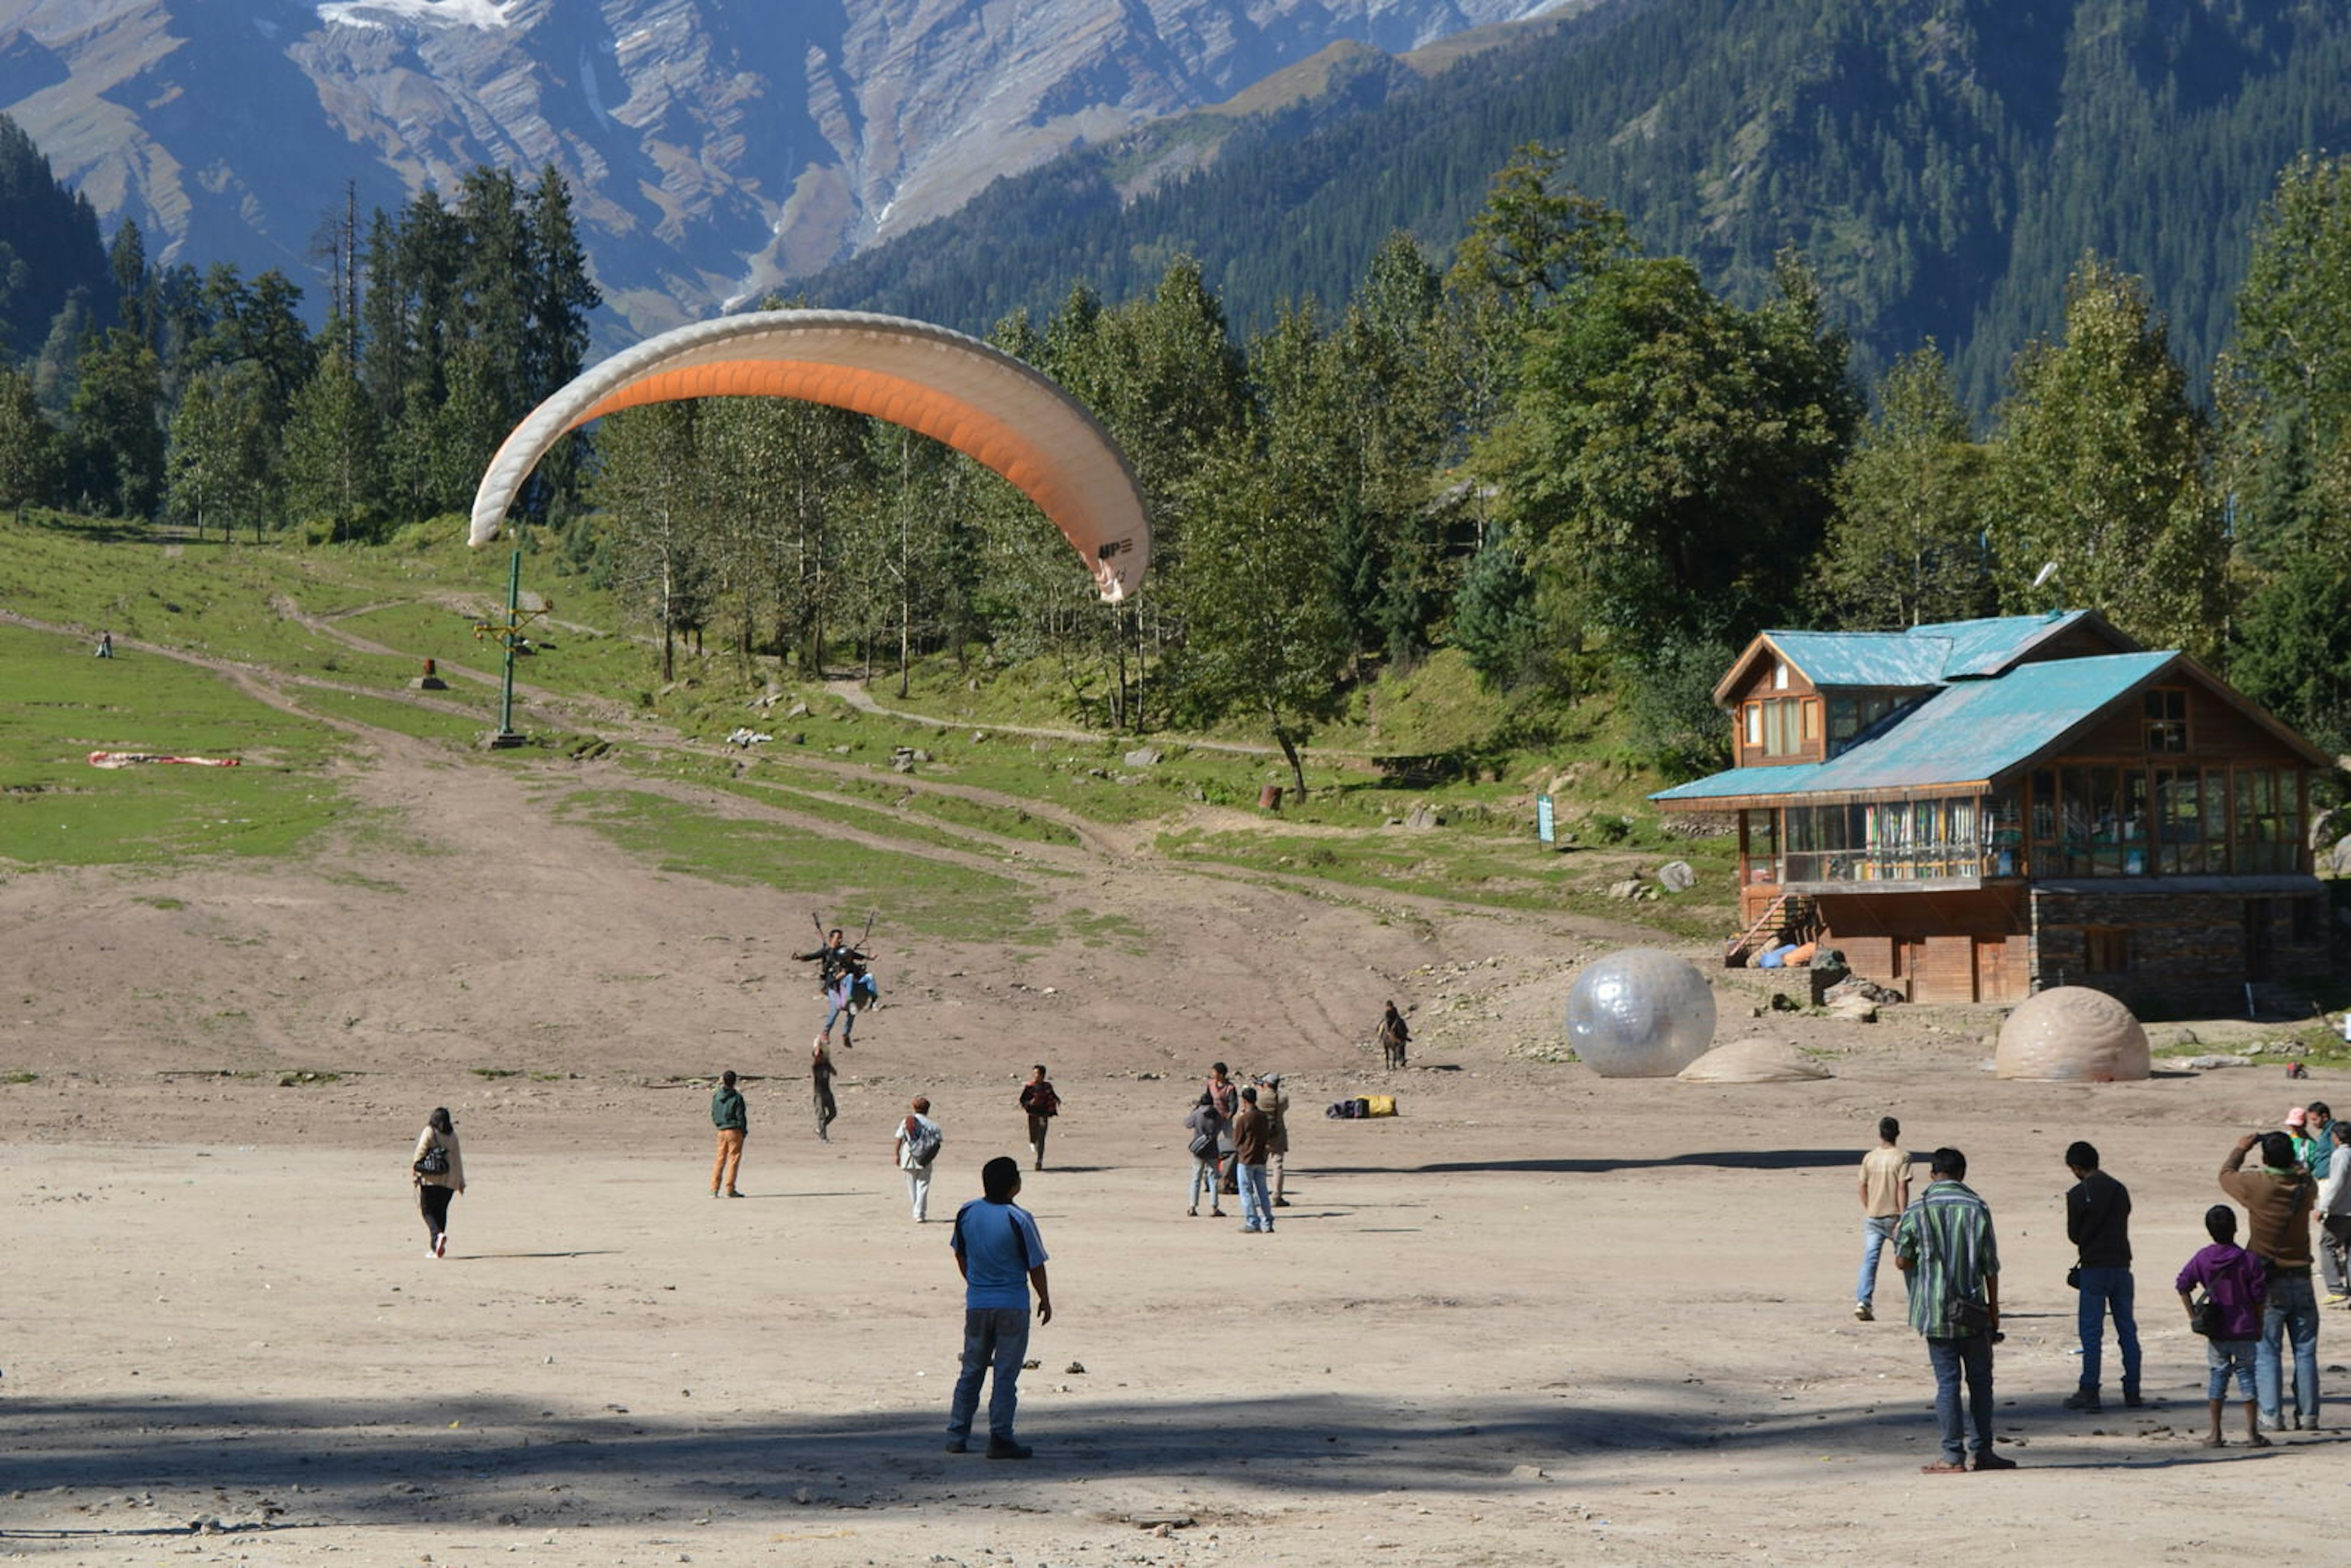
[(2072, 1034)]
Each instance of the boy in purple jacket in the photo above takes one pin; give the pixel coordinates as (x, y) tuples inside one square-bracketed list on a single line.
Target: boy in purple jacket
[(2236, 1281)]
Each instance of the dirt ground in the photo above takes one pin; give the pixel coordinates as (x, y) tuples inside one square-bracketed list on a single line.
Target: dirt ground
[(1538, 1317)]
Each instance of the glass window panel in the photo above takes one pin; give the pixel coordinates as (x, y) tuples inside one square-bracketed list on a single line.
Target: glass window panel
[(2216, 820)]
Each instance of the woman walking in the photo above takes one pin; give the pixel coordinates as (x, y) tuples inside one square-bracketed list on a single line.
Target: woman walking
[(438, 1169)]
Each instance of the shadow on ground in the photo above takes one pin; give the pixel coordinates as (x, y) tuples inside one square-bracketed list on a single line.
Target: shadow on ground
[(385, 1461), (1731, 1159)]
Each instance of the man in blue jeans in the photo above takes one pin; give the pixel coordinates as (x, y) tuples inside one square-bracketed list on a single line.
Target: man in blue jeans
[(1001, 1255), (1945, 1245), (1884, 1194), (2097, 1222), (2277, 1199)]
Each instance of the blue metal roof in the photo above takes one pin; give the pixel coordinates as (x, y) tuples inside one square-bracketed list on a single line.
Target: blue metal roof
[(1864, 658), (1922, 656), (1970, 730)]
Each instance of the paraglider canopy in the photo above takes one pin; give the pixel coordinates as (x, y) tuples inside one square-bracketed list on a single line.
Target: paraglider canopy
[(976, 399)]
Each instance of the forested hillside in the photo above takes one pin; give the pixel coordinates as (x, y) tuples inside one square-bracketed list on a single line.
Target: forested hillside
[(1943, 166), (49, 247)]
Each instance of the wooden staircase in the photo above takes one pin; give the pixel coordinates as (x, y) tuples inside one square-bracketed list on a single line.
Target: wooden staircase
[(1790, 916)]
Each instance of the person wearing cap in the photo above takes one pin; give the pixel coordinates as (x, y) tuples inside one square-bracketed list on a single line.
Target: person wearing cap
[(1276, 1106), (2278, 1198)]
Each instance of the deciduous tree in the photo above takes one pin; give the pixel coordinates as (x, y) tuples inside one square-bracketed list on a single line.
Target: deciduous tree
[(2097, 484)]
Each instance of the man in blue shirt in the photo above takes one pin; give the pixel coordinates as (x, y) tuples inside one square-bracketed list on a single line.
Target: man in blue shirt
[(1001, 1255)]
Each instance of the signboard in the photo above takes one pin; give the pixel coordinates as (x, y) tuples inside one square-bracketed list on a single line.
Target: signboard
[(1546, 823)]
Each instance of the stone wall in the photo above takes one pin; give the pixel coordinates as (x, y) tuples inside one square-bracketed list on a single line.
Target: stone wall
[(2185, 949)]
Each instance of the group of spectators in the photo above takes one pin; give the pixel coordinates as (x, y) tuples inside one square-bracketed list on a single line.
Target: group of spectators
[(1239, 1135), (2254, 1304)]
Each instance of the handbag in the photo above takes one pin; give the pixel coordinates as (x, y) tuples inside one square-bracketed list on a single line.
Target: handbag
[(1204, 1146), (2073, 1278), (434, 1161), (2204, 1317), (1967, 1316)]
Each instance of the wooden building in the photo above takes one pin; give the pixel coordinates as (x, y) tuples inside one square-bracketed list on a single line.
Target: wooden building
[(1979, 809)]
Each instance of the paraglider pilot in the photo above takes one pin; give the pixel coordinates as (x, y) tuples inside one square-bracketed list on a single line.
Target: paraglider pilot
[(848, 989)]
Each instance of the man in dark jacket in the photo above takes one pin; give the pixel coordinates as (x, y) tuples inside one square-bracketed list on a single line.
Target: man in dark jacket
[(2097, 1222), (728, 1115)]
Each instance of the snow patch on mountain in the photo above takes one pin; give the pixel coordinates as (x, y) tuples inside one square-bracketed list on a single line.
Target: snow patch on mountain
[(488, 16)]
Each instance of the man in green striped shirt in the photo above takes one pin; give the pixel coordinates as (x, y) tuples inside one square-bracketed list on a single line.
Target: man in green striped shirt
[(1945, 1244)]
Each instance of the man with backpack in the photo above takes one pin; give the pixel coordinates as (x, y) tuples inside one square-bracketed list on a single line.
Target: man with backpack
[(917, 1146)]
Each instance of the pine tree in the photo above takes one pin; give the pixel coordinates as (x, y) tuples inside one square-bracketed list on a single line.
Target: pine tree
[(115, 446)]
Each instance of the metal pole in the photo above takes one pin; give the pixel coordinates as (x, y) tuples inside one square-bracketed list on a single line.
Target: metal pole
[(506, 734)]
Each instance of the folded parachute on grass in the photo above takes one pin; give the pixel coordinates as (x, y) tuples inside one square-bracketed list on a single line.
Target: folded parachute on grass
[(957, 390), (133, 759)]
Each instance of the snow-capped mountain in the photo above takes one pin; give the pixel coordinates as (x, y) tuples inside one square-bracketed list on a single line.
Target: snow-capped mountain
[(715, 148)]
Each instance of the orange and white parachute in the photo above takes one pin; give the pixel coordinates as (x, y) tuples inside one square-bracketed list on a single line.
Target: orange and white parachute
[(976, 399)]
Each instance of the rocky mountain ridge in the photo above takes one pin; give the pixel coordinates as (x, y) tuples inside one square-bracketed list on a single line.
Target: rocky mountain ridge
[(716, 148)]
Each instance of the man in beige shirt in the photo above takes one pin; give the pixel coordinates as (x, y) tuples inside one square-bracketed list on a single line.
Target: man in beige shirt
[(1884, 1194)]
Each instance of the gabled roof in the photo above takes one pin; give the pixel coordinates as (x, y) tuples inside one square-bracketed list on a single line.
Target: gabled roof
[(1922, 656), (1969, 733)]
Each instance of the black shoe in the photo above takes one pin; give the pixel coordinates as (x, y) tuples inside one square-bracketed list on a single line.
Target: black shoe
[(2131, 1401), (2084, 1399), (998, 1449), (1281, 1203), (958, 1445)]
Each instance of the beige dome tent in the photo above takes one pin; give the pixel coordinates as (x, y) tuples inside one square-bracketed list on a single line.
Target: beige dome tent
[(2072, 1034), (976, 399), (1752, 1061)]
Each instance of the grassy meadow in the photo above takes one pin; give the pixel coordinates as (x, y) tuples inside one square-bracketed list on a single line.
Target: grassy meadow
[(285, 616)]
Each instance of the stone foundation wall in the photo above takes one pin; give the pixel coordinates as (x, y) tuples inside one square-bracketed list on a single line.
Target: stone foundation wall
[(2185, 949)]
